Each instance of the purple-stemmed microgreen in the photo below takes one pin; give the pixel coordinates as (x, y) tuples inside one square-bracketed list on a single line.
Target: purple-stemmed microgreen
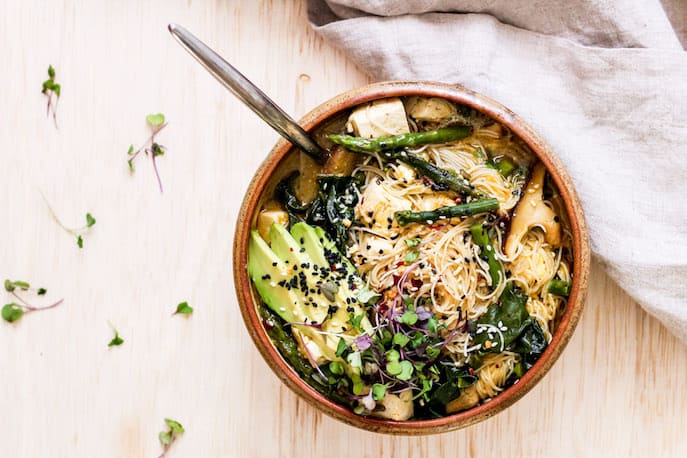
[(150, 147), (50, 88), (168, 437), (14, 311), (77, 232)]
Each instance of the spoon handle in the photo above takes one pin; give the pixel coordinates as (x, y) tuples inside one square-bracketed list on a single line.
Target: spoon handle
[(247, 92)]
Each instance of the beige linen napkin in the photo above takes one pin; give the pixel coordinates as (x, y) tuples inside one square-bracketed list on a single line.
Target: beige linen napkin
[(604, 82)]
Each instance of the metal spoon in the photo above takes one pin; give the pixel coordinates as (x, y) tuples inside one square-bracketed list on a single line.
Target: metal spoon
[(247, 92)]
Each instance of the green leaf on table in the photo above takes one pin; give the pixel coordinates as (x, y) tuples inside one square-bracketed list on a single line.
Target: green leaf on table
[(79, 241), (116, 340), (41, 291), (12, 312), (184, 309), (90, 221), (165, 438), (174, 426), (155, 120)]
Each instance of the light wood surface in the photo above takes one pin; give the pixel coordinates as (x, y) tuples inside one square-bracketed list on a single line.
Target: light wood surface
[(617, 390)]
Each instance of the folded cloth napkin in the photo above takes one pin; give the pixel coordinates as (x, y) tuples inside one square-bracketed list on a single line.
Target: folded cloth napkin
[(603, 81)]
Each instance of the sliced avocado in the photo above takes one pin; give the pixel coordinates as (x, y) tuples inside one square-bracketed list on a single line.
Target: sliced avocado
[(323, 251), (305, 275), (267, 270), (304, 279), (270, 275)]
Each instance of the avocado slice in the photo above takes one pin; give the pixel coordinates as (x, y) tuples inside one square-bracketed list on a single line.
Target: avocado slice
[(270, 275), (267, 270), (295, 278), (323, 252)]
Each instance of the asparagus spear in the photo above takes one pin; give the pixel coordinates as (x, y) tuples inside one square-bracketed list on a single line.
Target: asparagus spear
[(559, 288), (364, 145), (479, 235), (441, 177), (471, 208)]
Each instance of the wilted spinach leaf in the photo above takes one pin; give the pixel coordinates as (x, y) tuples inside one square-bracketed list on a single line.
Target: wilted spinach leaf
[(509, 315)]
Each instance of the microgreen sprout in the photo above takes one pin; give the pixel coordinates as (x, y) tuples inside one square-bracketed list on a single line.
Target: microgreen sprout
[(15, 310), (77, 232), (168, 437), (50, 88), (150, 147), (183, 309), (117, 339)]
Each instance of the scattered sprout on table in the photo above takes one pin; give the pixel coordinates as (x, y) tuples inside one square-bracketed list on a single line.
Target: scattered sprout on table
[(50, 88), (14, 311), (183, 309), (168, 437), (150, 147)]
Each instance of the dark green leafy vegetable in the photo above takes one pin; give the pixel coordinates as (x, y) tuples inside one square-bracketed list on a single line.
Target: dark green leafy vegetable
[(364, 145), (488, 253), (455, 379), (286, 195), (509, 316), (432, 216), (334, 208), (559, 288), (503, 165), (531, 344), (521, 333)]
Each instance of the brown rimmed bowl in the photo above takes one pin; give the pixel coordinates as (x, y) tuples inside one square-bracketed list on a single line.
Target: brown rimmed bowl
[(249, 300)]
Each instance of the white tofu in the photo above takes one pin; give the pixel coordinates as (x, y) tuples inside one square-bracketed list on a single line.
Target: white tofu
[(433, 202), (381, 118), (265, 220), (397, 407), (310, 348), (430, 109), (404, 173), (377, 208)]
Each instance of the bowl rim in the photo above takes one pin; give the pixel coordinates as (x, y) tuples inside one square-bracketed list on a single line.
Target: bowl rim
[(568, 320)]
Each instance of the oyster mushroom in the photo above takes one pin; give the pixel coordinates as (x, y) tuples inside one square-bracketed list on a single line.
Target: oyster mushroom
[(532, 212)]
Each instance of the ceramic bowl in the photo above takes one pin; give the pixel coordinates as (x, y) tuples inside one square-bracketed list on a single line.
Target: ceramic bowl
[(261, 183)]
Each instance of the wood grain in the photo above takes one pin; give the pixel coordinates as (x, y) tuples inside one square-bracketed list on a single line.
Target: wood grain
[(616, 391)]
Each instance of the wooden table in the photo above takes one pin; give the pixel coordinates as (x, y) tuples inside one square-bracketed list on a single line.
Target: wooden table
[(618, 389)]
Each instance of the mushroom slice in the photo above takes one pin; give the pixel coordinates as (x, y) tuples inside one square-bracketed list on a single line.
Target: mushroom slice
[(531, 212), (398, 407), (468, 398)]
